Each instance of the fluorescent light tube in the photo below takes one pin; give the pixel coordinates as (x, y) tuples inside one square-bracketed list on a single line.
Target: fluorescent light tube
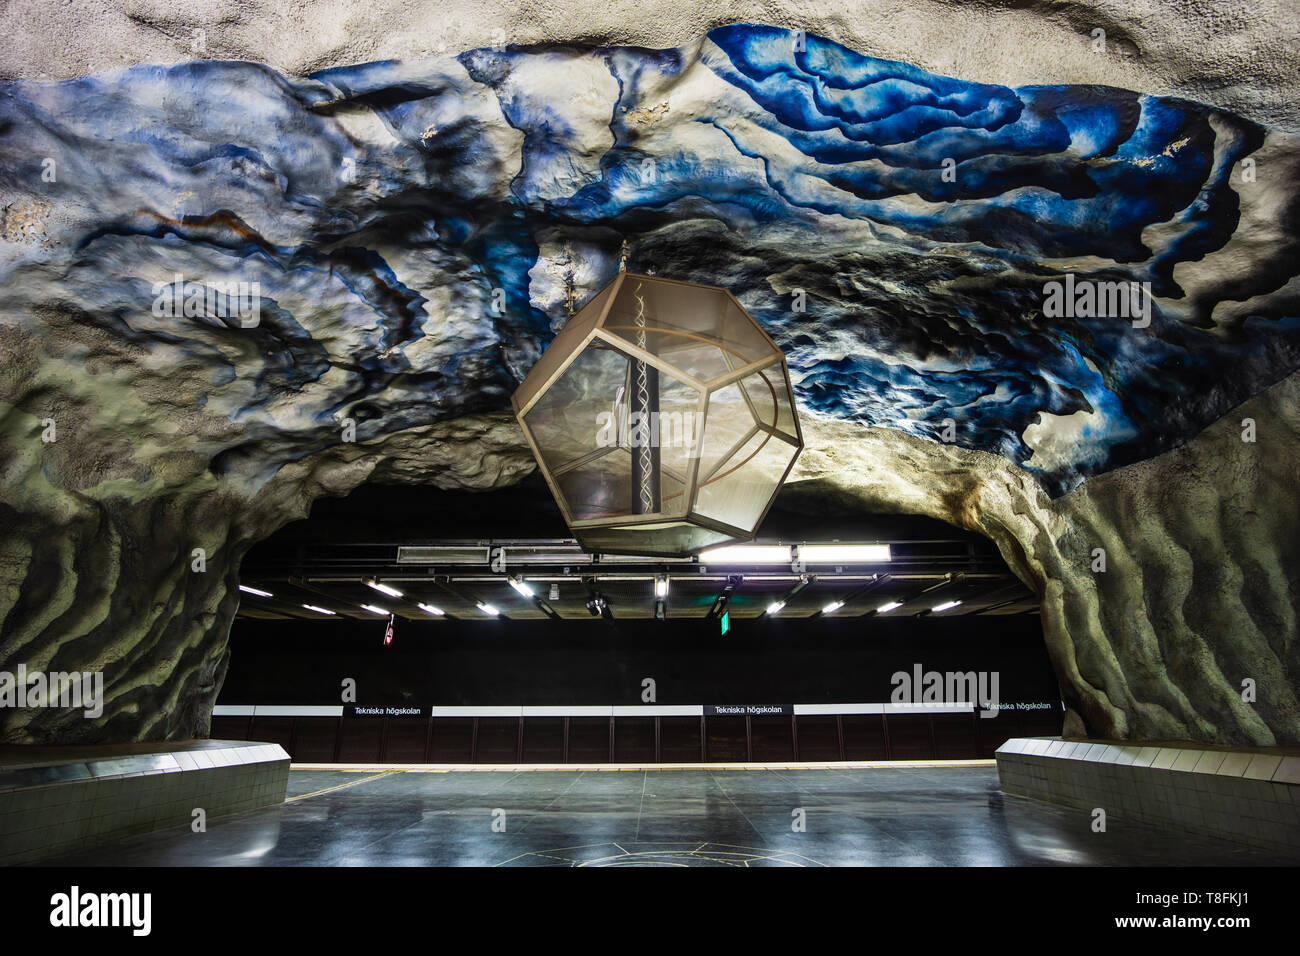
[(747, 554), (844, 553)]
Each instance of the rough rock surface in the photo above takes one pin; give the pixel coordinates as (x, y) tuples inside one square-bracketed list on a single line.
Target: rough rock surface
[(381, 207), (98, 573), (1202, 565), (1234, 54)]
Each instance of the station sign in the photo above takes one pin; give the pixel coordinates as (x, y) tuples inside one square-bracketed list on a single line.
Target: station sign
[(386, 710)]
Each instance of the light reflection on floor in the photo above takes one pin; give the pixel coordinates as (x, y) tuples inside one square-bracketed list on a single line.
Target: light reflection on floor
[(947, 816)]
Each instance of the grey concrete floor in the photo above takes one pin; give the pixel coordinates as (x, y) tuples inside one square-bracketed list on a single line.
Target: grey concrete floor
[(945, 816)]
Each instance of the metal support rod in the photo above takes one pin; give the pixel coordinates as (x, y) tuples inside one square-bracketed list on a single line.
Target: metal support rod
[(646, 493), (643, 433)]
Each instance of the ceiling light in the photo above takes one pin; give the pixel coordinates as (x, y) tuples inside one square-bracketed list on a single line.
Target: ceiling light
[(832, 607), (391, 592), (318, 610), (430, 609), (888, 606), (244, 587), (945, 606), (775, 606), (488, 609), (633, 509), (521, 587), (843, 553), (661, 587), (747, 554), (375, 610)]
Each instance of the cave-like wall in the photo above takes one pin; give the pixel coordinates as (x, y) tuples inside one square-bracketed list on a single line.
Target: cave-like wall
[(415, 229), (1202, 566)]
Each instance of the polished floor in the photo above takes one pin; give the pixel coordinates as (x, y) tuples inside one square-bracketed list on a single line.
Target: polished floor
[(947, 816)]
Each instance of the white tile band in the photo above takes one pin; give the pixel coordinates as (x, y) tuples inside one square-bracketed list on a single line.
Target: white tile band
[(601, 710)]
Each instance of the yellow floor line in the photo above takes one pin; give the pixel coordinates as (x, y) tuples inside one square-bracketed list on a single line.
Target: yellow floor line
[(615, 767), (341, 786)]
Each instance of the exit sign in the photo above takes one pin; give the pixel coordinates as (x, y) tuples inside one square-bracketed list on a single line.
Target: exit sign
[(725, 621)]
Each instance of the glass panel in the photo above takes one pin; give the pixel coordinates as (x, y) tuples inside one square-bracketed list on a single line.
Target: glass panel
[(664, 442), (702, 360), (744, 334), (769, 399), (562, 346), (612, 434), (591, 411), (728, 422), (677, 430), (600, 488), (787, 419), (672, 501), (575, 416), (591, 310), (674, 539), (739, 492), (695, 328)]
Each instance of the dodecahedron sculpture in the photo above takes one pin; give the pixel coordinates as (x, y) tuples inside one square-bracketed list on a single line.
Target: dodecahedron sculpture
[(662, 418)]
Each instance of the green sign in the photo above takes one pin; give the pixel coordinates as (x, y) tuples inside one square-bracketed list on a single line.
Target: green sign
[(725, 621)]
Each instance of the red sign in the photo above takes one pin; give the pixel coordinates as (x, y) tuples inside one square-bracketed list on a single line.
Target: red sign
[(388, 633)]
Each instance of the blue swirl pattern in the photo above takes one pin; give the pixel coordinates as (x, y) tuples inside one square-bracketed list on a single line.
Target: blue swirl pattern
[(405, 222)]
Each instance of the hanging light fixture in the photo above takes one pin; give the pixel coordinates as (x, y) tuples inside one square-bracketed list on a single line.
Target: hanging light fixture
[(662, 418)]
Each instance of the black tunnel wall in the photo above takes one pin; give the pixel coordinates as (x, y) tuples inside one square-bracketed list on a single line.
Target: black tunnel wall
[(576, 663), (595, 663)]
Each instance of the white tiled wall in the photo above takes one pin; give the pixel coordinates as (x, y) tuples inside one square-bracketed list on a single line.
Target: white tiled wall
[(37, 822), (1244, 796)]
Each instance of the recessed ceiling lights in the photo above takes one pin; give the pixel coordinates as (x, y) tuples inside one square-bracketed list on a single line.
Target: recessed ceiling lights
[(775, 607), (519, 585), (430, 609), (488, 609), (945, 606), (391, 592), (318, 610), (832, 607), (374, 610), (246, 588), (888, 606)]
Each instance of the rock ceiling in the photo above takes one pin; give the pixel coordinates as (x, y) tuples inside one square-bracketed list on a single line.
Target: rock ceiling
[(918, 220), (405, 237)]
